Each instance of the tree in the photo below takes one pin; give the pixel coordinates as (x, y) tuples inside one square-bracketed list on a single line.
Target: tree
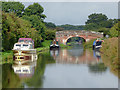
[(114, 30), (15, 7), (50, 34), (97, 21), (50, 25), (14, 28), (35, 9), (37, 24), (96, 18)]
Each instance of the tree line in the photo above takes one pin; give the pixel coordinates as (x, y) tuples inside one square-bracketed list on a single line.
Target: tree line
[(96, 22), (20, 22)]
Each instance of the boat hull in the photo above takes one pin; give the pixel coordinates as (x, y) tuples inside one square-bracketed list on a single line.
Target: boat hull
[(24, 56), (54, 47)]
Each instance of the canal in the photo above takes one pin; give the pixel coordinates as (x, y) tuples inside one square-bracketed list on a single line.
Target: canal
[(64, 68)]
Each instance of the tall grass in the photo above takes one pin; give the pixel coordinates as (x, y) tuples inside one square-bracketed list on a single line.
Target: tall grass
[(110, 54)]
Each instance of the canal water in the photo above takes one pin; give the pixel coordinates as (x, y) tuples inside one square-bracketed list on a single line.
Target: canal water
[(64, 68)]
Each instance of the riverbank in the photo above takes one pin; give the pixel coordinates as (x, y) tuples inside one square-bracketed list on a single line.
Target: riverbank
[(88, 45), (109, 54)]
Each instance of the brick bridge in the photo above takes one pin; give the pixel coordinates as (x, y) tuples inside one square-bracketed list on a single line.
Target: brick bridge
[(63, 36)]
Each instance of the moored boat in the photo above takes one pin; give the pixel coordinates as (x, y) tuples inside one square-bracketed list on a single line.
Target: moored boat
[(54, 44), (24, 51)]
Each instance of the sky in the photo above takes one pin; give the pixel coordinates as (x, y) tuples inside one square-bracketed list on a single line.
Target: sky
[(76, 13)]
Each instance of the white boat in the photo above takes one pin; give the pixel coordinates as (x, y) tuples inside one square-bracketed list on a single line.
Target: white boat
[(24, 51)]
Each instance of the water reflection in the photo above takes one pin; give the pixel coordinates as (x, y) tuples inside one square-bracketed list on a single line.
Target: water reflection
[(64, 68), (25, 70), (23, 57), (76, 55), (54, 53), (9, 78), (98, 67), (78, 68)]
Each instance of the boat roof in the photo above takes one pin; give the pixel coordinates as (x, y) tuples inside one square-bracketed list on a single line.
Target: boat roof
[(25, 39)]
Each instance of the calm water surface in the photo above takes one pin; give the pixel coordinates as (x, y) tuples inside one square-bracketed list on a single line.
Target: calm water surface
[(64, 68)]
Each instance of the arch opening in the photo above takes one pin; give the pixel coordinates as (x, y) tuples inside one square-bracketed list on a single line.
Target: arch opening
[(75, 40)]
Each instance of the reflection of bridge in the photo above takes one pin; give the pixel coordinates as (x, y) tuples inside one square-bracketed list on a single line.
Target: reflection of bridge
[(86, 58), (63, 36)]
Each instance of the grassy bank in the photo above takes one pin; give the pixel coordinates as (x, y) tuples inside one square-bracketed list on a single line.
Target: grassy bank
[(7, 57), (88, 45), (65, 46), (110, 54)]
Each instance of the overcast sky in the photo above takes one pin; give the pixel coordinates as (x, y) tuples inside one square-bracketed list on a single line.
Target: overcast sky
[(76, 13)]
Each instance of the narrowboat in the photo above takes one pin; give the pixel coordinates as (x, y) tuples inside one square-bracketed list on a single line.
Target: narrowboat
[(54, 44), (24, 51)]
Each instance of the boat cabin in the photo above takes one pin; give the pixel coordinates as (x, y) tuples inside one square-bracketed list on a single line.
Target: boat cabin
[(24, 43)]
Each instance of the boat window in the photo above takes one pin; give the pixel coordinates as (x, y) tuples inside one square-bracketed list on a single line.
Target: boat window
[(18, 45), (28, 41), (25, 44), (21, 41), (31, 46), (25, 70)]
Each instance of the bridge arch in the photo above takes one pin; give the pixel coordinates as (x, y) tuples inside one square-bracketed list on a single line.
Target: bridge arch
[(74, 36), (63, 36)]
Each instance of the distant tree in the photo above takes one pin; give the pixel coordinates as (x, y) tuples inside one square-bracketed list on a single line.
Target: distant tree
[(50, 25), (97, 21), (15, 7), (96, 18), (71, 27), (35, 9)]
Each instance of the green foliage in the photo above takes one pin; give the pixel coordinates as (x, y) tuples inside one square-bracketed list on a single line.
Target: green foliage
[(114, 30), (15, 28), (37, 24), (35, 9), (15, 7), (50, 34), (71, 27), (50, 25), (96, 21), (7, 57), (89, 44), (46, 43), (96, 18), (91, 26)]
